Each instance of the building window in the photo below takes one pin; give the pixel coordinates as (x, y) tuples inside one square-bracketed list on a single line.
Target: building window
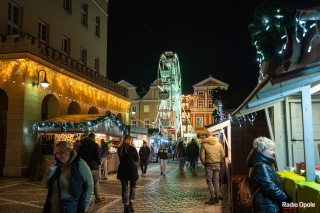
[(210, 91), (200, 103), (43, 32), (84, 13), (67, 5), (146, 124), (83, 56), (13, 18), (65, 45), (134, 109), (133, 122), (96, 64), (199, 122), (97, 26), (146, 108), (210, 104), (200, 93)]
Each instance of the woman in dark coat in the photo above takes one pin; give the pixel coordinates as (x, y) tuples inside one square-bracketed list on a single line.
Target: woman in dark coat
[(271, 194), (127, 170)]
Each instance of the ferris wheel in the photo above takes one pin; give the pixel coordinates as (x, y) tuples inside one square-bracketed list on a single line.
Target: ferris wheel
[(169, 90)]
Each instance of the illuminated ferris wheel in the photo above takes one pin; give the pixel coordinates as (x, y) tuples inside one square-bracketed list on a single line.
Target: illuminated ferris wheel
[(169, 90)]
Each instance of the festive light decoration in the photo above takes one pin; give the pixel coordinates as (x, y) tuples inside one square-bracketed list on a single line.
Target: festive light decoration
[(13, 70), (302, 16), (69, 124)]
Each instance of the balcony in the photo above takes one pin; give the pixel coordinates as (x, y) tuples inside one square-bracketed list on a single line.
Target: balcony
[(26, 43)]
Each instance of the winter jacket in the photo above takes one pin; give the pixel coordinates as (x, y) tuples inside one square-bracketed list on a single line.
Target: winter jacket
[(144, 152), (75, 180), (104, 150), (89, 151), (127, 169), (163, 153), (181, 151), (211, 152), (193, 150), (271, 194)]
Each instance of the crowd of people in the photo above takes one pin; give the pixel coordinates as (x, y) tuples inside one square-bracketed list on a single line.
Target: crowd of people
[(75, 173)]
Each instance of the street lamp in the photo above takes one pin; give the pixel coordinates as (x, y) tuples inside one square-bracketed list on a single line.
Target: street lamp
[(44, 83)]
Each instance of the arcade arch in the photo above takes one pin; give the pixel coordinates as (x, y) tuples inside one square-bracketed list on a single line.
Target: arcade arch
[(74, 108), (50, 107)]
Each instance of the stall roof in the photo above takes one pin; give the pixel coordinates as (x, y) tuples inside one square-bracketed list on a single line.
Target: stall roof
[(273, 89), (79, 121)]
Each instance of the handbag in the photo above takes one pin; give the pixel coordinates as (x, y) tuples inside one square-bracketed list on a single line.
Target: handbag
[(109, 155), (69, 204)]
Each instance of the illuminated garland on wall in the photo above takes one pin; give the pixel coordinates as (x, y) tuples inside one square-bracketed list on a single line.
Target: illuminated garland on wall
[(29, 68), (92, 123)]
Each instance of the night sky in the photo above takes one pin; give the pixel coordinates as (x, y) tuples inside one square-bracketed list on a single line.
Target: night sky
[(210, 38)]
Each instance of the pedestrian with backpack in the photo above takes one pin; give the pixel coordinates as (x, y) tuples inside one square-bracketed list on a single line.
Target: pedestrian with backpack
[(263, 179)]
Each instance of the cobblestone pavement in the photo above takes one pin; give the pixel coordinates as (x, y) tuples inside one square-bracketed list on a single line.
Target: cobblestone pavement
[(177, 192)]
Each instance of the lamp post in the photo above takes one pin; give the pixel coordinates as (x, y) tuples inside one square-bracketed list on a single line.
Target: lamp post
[(44, 83)]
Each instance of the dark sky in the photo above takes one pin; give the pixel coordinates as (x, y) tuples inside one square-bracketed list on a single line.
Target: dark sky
[(210, 37)]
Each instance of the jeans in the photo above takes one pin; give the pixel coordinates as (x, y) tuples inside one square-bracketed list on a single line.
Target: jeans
[(124, 184), (104, 162), (181, 161), (212, 176), (163, 165), (95, 176), (143, 163), (193, 163)]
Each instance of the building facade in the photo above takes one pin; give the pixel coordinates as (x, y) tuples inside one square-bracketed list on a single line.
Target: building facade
[(68, 51), (196, 111), (202, 107)]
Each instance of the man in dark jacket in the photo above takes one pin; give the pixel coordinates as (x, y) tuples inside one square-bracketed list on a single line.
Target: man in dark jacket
[(89, 151), (163, 154), (104, 158), (144, 154), (193, 153)]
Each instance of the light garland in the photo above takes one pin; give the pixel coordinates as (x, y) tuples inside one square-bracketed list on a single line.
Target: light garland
[(30, 68), (302, 23), (69, 124)]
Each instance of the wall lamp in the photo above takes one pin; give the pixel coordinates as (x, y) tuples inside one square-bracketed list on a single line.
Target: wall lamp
[(44, 83)]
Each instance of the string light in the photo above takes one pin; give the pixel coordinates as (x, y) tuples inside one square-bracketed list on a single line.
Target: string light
[(29, 68)]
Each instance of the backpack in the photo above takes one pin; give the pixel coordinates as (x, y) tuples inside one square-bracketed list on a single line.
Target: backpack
[(245, 195)]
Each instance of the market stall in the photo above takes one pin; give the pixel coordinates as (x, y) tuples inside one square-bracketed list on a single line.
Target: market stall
[(72, 127)]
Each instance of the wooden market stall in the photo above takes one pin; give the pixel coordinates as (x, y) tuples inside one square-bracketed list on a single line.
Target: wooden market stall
[(71, 127)]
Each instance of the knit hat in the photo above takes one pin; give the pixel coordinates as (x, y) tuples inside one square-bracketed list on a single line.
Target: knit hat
[(180, 139)]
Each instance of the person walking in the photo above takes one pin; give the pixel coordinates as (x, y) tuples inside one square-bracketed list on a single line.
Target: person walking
[(163, 154), (173, 151), (89, 151), (144, 154), (69, 181), (127, 171), (181, 153), (211, 155), (271, 194), (104, 149), (193, 153)]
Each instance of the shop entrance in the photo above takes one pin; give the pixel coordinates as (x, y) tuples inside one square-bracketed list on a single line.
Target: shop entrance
[(3, 128), (50, 107)]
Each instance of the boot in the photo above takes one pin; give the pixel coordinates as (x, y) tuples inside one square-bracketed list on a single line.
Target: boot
[(126, 208), (217, 199), (130, 209), (211, 201)]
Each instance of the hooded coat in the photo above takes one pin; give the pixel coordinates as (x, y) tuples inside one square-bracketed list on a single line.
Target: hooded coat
[(271, 194), (211, 152), (89, 151)]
